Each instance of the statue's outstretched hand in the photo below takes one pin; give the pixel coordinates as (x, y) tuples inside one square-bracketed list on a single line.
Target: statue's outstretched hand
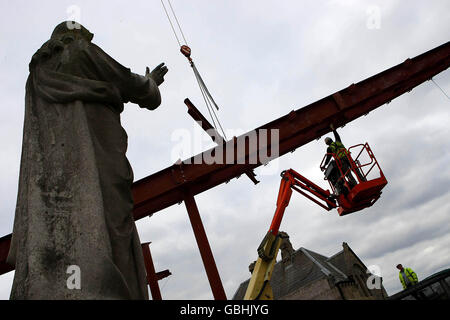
[(157, 74)]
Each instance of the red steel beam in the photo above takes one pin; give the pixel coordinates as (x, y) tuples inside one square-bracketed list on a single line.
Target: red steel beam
[(166, 187), (203, 122), (163, 274), (152, 279), (205, 250), (212, 132)]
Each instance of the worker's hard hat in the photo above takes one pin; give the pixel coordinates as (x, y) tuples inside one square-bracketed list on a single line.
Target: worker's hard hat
[(328, 140)]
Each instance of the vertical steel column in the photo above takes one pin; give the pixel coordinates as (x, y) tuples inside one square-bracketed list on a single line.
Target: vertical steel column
[(152, 279), (205, 250)]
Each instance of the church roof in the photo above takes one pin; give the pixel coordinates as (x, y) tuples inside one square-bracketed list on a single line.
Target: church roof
[(305, 267)]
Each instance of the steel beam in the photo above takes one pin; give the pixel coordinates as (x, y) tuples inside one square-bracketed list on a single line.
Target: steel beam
[(163, 274), (152, 278), (205, 249), (212, 132)]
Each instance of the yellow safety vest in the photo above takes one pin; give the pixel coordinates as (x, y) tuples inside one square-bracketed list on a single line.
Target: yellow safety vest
[(411, 275), (338, 149)]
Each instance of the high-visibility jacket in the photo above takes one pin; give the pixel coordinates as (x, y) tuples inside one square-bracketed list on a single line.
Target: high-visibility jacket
[(338, 149), (410, 274)]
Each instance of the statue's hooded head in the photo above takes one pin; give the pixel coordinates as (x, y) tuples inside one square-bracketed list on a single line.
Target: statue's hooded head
[(71, 29), (64, 33)]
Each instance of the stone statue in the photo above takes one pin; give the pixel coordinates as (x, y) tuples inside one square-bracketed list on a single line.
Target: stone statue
[(286, 248), (74, 205)]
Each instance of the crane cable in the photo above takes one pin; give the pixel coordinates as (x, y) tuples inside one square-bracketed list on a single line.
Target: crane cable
[(186, 51), (171, 24)]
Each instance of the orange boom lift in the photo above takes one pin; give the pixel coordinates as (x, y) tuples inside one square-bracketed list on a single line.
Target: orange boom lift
[(361, 195)]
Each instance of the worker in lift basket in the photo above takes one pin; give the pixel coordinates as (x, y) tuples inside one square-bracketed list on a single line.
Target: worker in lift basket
[(338, 149)]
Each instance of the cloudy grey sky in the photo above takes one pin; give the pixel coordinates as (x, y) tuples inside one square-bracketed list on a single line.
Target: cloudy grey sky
[(261, 59)]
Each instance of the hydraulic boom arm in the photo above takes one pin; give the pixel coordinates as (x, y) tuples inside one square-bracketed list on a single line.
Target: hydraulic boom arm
[(259, 287)]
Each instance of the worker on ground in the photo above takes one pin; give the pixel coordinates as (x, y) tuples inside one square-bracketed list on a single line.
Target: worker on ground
[(338, 149), (407, 276)]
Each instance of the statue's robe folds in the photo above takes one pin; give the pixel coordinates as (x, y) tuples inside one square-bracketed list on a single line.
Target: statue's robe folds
[(74, 205)]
